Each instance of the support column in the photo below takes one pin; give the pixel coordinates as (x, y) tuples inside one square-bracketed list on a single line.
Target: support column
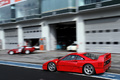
[(20, 36), (80, 34), (53, 41), (46, 34), (2, 38)]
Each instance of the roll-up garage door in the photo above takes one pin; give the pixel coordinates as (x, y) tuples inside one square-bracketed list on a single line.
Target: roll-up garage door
[(32, 32), (103, 35), (11, 38)]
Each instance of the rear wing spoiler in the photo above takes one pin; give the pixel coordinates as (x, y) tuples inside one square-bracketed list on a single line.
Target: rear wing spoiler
[(105, 57)]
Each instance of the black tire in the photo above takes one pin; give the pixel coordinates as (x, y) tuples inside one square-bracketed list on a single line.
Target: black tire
[(27, 52), (11, 52), (52, 66), (88, 69)]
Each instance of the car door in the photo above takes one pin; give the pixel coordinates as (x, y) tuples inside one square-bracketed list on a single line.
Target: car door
[(67, 63), (78, 66)]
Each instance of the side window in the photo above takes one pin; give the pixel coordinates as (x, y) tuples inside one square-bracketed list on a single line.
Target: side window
[(79, 58), (70, 57)]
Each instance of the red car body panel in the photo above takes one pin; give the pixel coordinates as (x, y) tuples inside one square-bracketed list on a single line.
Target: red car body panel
[(77, 65), (31, 49)]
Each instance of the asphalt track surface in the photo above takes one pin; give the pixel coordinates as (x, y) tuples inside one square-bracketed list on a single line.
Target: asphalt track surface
[(106, 75), (19, 73)]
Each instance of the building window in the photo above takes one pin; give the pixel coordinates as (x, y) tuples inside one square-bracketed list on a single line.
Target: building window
[(56, 4), (107, 30), (84, 2), (93, 31), (93, 42), (100, 42), (5, 13), (100, 31), (31, 31), (116, 43), (87, 42), (87, 32), (27, 8), (37, 30), (92, 1), (108, 42), (115, 30)]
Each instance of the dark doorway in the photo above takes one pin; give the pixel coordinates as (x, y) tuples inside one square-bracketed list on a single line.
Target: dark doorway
[(66, 34), (32, 42)]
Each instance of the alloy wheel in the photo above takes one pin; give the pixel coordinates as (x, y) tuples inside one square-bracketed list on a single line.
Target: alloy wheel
[(51, 67), (89, 69)]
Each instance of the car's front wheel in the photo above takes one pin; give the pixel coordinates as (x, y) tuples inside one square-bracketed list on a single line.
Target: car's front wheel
[(88, 69), (52, 66), (27, 52), (11, 52)]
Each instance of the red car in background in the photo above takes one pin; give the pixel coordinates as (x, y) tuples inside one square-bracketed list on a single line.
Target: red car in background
[(23, 49), (80, 62)]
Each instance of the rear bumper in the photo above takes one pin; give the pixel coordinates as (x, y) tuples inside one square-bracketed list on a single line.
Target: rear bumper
[(102, 70), (98, 71)]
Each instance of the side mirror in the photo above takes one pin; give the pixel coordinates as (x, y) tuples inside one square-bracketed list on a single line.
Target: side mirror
[(59, 57)]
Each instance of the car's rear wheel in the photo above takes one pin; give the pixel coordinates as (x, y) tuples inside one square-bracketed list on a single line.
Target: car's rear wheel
[(27, 52), (52, 67), (88, 69), (11, 52)]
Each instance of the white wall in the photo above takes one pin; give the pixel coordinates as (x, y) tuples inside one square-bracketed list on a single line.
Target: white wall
[(53, 41), (46, 34), (80, 34), (20, 36), (2, 38)]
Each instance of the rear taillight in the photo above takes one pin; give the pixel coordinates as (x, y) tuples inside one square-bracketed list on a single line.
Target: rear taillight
[(107, 62)]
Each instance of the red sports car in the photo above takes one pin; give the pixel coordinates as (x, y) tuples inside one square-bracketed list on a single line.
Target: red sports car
[(87, 63), (23, 49)]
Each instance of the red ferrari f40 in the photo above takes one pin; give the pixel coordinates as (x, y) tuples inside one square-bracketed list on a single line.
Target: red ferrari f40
[(23, 49), (87, 63)]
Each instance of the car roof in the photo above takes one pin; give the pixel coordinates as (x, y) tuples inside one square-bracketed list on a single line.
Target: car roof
[(81, 54)]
